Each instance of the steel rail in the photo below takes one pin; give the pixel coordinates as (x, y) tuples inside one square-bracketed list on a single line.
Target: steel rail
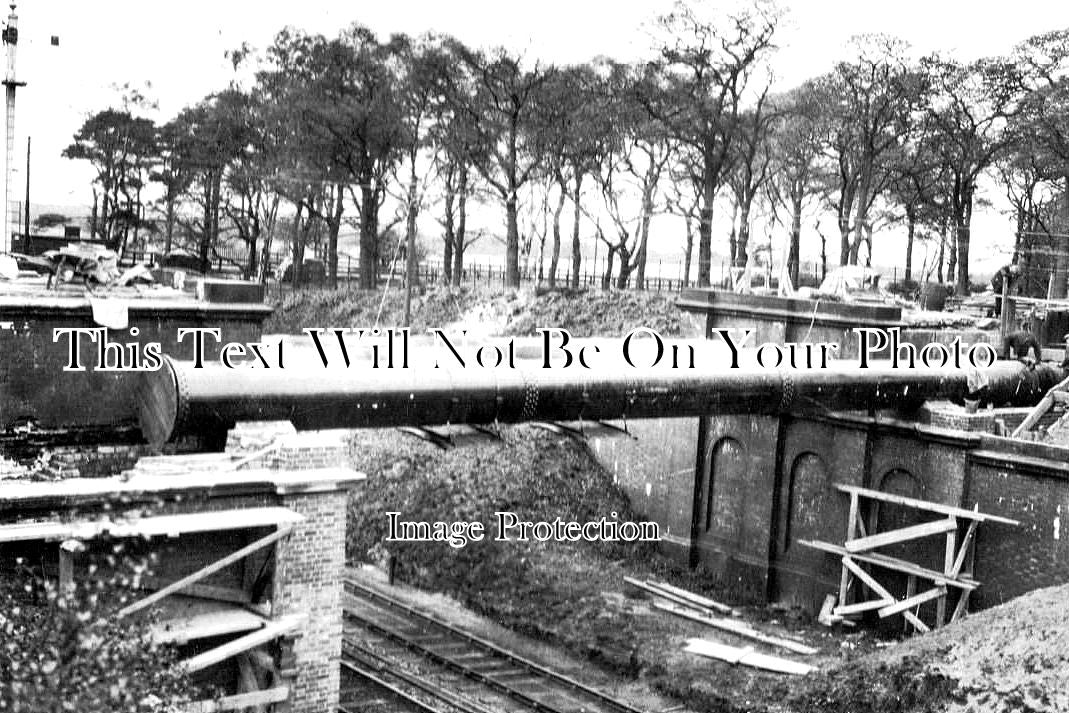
[(488, 646), (352, 649), (368, 675)]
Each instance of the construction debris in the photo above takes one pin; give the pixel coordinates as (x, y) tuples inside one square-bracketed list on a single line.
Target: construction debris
[(681, 596), (739, 629), (747, 657)]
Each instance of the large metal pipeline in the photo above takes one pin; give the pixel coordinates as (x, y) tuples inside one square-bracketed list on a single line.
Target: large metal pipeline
[(182, 399)]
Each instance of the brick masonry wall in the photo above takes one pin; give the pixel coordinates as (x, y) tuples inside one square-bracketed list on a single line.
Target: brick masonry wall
[(762, 501), (653, 466), (1013, 560), (92, 461), (308, 576)]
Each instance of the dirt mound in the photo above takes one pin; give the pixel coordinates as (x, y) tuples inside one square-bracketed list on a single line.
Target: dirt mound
[(426, 484), (1013, 657), (356, 308), (604, 314), (491, 312)]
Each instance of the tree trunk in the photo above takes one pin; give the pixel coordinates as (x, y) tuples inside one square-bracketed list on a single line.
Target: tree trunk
[(942, 250), (449, 239), (911, 230), (462, 224), (606, 279), (688, 250), (705, 230), (861, 214), (332, 238), (252, 264), (794, 253), (577, 250), (512, 241), (742, 242), (624, 277), (554, 254), (168, 225), (410, 223), (1061, 261), (733, 236), (649, 186), (94, 217), (844, 242), (369, 268), (963, 219)]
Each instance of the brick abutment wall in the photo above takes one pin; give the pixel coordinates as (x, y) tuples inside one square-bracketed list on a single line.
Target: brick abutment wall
[(308, 581), (761, 483)]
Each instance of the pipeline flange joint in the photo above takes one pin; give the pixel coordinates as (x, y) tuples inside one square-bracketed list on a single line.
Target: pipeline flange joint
[(787, 391)]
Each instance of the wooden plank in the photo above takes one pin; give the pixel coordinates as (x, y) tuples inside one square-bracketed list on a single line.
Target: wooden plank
[(860, 607), (962, 608), (48, 531), (881, 590), (272, 630), (201, 591), (893, 563), (160, 525), (651, 589), (948, 565), (739, 628), (902, 534), (852, 521), (205, 625), (1034, 416), (692, 597), (963, 550), (278, 694), (868, 579), (205, 571), (212, 521), (1041, 408), (924, 504), (747, 657), (911, 590), (913, 601)]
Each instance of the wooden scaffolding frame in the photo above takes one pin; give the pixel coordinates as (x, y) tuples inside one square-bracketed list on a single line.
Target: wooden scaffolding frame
[(861, 545), (256, 627)]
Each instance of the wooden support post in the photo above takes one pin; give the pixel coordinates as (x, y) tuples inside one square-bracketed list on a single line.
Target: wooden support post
[(963, 552), (911, 589), (67, 550), (949, 555), (851, 530)]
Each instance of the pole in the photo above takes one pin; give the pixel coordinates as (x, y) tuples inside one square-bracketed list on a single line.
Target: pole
[(11, 39), (26, 207)]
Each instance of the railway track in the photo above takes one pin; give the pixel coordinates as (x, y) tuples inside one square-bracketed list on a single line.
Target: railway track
[(403, 659)]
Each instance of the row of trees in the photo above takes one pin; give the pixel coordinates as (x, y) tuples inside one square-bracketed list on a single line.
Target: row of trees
[(355, 131)]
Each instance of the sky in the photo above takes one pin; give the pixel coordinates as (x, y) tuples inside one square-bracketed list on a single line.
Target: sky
[(174, 51)]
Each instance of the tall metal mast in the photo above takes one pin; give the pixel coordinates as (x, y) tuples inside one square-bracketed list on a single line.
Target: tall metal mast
[(11, 40)]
